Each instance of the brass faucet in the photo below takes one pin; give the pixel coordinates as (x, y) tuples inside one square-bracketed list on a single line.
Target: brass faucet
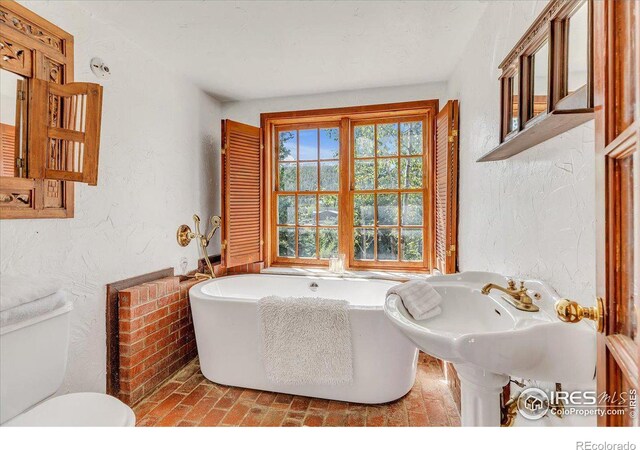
[(185, 235), (519, 298)]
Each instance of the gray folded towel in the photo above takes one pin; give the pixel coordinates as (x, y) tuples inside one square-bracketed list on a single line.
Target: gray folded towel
[(419, 297)]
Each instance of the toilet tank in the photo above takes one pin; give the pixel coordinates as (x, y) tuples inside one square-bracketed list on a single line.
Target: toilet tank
[(33, 360)]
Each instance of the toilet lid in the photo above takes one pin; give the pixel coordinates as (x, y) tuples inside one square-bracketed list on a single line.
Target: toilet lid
[(82, 409)]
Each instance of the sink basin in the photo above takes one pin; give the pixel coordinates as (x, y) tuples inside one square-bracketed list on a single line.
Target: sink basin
[(489, 340)]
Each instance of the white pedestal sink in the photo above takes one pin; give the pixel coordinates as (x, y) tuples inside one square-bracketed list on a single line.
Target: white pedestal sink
[(489, 340)]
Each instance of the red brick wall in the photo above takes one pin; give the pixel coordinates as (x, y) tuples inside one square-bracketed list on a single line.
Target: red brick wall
[(221, 271), (156, 331), (156, 335)]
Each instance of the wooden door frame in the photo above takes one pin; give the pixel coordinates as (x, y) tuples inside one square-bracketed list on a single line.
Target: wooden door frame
[(618, 354)]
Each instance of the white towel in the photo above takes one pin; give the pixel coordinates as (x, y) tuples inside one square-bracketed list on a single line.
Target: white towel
[(16, 290), (306, 340), (419, 297), (32, 309)]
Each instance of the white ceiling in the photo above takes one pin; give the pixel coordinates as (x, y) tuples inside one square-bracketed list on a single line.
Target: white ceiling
[(246, 50)]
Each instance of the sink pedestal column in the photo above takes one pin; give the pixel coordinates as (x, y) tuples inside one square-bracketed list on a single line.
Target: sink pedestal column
[(480, 396)]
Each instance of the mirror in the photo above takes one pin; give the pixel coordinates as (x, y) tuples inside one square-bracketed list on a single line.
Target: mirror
[(539, 81), (513, 108), (578, 63), (12, 124)]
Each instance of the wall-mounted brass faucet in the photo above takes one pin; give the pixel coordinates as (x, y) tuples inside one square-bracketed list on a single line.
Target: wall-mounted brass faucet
[(185, 235), (519, 298)]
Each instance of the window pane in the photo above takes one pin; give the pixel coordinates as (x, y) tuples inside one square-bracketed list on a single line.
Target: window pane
[(411, 138), (387, 209), (411, 245), (515, 99), (306, 242), (306, 209), (363, 245), (411, 209), (411, 173), (309, 176), (363, 209), (387, 244), (286, 209), (540, 61), (364, 141), (287, 147), (308, 144), (288, 177), (388, 139), (578, 49), (388, 173), (328, 242), (364, 176), (328, 214), (286, 242), (329, 176), (329, 143)]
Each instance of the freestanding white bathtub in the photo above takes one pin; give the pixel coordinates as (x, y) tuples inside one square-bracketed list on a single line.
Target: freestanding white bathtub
[(225, 317)]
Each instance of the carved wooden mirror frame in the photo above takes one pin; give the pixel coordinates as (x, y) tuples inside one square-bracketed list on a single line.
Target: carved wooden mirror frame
[(36, 49)]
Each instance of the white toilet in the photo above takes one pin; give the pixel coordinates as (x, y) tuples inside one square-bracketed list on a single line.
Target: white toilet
[(33, 359)]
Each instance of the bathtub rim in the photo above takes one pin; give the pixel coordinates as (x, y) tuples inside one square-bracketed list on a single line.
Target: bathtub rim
[(195, 292)]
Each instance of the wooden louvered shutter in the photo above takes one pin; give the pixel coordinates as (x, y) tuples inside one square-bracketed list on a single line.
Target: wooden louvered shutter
[(446, 188), (64, 131), (7, 150), (241, 194)]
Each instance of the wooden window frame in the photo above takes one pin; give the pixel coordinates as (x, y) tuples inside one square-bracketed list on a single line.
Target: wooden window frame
[(270, 122)]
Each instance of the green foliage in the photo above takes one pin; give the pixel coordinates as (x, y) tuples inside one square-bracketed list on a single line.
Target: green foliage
[(388, 244), (363, 246), (308, 176), (287, 148), (286, 242), (411, 244), (306, 242), (306, 209), (328, 242), (387, 139)]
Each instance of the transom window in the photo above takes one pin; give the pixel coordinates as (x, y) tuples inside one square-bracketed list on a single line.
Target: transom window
[(352, 185)]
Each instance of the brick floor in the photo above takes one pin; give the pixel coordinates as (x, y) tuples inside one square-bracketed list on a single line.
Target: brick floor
[(189, 399)]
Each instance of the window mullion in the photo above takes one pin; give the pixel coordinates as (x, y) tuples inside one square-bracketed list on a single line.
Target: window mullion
[(345, 221)]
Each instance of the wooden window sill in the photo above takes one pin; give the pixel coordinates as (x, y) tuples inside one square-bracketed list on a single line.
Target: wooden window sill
[(370, 274)]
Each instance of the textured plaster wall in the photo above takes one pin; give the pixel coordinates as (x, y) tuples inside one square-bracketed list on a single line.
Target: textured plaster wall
[(532, 215), (249, 111), (158, 165)]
